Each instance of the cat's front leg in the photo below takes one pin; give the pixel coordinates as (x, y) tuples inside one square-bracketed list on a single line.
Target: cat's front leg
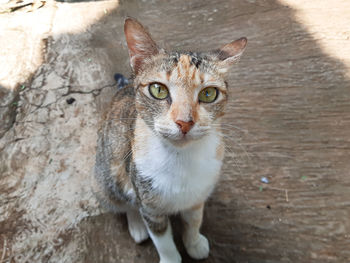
[(197, 245), (137, 228), (159, 229)]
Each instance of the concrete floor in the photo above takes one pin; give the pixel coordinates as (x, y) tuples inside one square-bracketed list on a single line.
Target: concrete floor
[(288, 120)]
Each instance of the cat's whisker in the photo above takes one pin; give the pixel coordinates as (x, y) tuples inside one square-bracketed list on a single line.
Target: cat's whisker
[(239, 145), (112, 118), (232, 126), (234, 158), (127, 156), (237, 165), (229, 127), (204, 129), (234, 133)]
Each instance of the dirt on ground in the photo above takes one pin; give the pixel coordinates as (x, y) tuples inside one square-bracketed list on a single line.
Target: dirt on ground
[(288, 120)]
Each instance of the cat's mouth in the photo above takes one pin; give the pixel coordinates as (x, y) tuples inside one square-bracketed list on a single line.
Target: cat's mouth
[(176, 136), (180, 139)]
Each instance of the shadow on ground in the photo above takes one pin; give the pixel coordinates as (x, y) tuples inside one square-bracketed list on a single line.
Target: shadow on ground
[(288, 120)]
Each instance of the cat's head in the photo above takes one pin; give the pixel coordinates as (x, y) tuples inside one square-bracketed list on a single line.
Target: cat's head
[(180, 95)]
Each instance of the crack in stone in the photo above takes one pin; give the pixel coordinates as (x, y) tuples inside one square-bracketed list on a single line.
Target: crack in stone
[(95, 92)]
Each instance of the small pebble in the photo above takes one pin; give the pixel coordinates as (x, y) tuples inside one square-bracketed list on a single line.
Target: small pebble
[(70, 100), (264, 180)]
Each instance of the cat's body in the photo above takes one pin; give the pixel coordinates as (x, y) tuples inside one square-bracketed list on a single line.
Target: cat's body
[(160, 148)]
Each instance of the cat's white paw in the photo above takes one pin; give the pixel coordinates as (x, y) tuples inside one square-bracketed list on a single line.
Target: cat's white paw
[(198, 249), (175, 258), (138, 232), (137, 228)]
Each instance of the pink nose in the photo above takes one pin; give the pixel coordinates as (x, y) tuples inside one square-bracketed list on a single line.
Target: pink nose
[(185, 126)]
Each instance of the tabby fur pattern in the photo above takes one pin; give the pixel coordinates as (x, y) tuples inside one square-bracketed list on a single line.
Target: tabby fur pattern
[(159, 157)]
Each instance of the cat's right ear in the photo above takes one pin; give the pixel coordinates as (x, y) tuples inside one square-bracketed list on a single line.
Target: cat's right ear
[(230, 53), (140, 44)]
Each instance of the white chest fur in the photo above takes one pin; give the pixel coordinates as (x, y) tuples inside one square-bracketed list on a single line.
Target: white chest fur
[(183, 177)]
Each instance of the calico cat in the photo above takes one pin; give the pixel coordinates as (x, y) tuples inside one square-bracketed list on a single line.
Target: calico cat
[(160, 149)]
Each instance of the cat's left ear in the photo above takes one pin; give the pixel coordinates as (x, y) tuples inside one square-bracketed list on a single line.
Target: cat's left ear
[(230, 53), (140, 44)]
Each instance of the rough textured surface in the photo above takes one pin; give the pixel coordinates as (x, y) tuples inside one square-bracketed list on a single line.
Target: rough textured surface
[(288, 120)]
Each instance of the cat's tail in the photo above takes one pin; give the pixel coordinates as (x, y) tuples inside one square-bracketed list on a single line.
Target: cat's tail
[(121, 80)]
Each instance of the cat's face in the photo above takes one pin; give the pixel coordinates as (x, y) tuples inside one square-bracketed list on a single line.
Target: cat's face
[(180, 96)]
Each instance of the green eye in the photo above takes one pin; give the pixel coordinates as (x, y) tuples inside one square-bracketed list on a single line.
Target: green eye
[(208, 94), (158, 91)]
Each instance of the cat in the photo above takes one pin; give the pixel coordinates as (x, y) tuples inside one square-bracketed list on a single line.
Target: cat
[(159, 147)]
